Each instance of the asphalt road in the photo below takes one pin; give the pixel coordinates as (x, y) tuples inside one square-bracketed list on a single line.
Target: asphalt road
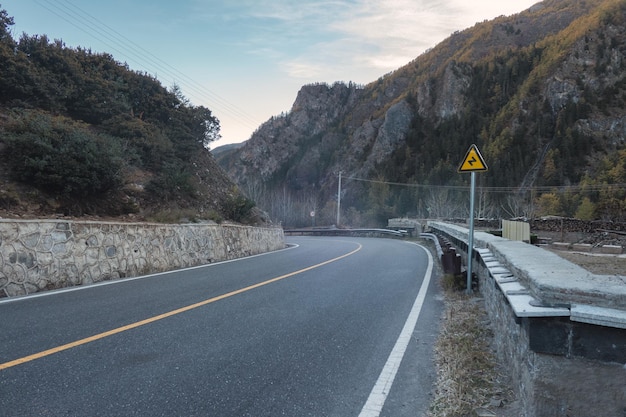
[(331, 327)]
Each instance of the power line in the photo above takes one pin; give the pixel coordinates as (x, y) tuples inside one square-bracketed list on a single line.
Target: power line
[(559, 188), (129, 49), (406, 184)]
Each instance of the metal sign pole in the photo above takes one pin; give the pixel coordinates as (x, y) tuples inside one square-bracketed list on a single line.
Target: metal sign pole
[(470, 248), (472, 162)]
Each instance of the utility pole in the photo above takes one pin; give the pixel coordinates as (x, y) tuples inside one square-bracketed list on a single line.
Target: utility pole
[(339, 199)]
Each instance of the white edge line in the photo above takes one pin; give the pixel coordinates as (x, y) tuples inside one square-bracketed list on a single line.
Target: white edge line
[(124, 280), (376, 400)]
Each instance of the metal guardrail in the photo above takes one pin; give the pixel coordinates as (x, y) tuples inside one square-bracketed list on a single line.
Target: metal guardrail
[(435, 239), (345, 232)]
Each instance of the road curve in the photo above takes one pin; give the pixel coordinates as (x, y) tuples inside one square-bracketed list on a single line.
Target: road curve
[(314, 330)]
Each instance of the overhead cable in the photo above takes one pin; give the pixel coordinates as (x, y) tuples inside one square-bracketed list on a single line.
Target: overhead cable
[(559, 188), (130, 50)]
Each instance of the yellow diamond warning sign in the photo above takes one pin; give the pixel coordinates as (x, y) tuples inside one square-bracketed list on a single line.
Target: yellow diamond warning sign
[(473, 161)]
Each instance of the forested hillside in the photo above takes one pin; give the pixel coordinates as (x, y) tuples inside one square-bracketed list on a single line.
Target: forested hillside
[(82, 134), (542, 93)]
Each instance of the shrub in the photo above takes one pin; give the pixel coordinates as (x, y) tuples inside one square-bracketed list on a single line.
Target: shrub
[(57, 155), (238, 207), (173, 181)]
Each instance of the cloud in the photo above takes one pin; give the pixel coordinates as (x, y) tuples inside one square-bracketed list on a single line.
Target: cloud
[(328, 40), (367, 37), (372, 37)]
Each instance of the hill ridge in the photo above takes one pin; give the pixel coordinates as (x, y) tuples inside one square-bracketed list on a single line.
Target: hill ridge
[(83, 135)]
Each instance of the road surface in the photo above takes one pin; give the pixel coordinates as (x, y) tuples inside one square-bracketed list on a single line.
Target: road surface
[(329, 327)]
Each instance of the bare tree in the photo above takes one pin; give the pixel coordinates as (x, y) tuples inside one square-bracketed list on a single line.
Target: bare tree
[(518, 205), (441, 203)]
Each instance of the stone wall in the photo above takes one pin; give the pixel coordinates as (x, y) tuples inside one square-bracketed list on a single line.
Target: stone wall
[(560, 330), (37, 255)]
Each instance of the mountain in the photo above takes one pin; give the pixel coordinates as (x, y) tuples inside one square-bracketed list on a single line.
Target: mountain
[(226, 148), (83, 135), (541, 93)]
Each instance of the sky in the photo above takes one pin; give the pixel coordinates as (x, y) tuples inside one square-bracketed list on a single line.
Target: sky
[(246, 60)]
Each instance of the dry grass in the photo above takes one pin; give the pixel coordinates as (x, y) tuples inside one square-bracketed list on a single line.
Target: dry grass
[(467, 376)]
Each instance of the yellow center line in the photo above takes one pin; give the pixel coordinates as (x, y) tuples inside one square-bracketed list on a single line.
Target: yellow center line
[(163, 316)]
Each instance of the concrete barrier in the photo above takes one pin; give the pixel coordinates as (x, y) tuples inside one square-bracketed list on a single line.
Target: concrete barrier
[(582, 247), (37, 255), (560, 245), (611, 249), (560, 329)]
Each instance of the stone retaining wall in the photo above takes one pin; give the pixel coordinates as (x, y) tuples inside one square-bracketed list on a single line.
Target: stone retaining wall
[(37, 255)]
